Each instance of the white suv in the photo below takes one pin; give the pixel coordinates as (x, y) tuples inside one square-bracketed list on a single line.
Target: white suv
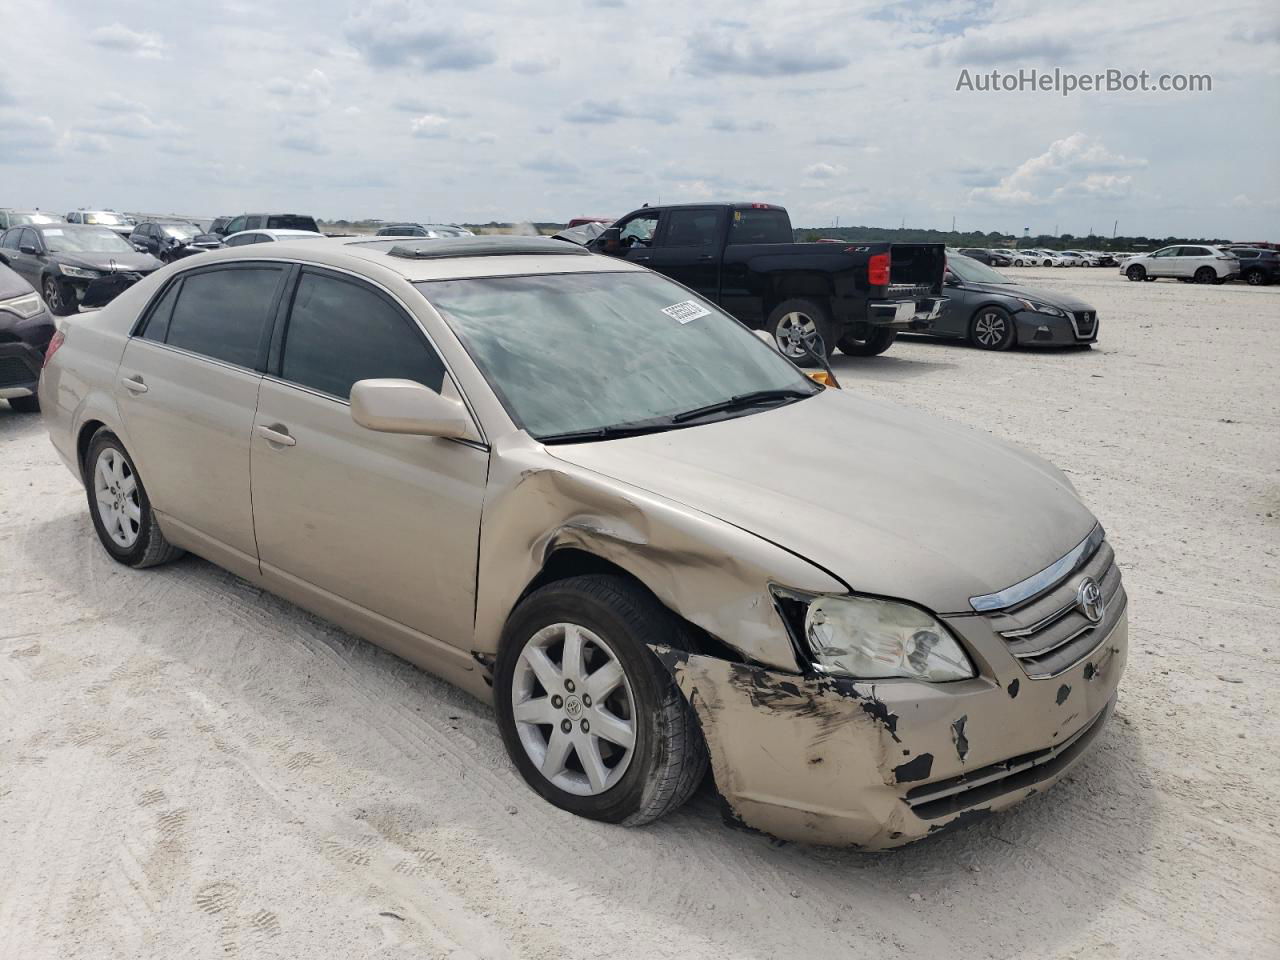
[(1201, 264)]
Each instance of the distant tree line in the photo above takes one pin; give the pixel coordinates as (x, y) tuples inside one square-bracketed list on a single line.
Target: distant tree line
[(975, 238)]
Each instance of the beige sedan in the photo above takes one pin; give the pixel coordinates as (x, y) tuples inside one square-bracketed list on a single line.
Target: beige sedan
[(571, 486)]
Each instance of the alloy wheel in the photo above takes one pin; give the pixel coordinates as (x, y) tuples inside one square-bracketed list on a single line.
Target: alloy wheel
[(794, 331), (990, 329), (574, 709), (52, 295), (115, 489)]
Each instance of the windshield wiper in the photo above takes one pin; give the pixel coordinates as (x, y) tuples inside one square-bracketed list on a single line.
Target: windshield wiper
[(608, 433), (742, 401)]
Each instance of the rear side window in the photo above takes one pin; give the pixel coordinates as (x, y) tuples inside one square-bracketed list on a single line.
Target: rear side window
[(691, 228), (223, 313), (760, 226), (157, 323), (341, 331)]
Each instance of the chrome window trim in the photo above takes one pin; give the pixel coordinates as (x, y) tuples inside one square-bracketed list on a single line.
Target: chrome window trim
[(1038, 583)]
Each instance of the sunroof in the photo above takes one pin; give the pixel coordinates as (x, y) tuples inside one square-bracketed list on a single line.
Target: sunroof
[(502, 246)]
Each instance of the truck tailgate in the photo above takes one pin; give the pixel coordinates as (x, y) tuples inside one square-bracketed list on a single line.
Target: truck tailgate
[(916, 265)]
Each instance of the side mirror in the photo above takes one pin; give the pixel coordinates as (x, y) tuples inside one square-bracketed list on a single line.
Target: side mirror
[(608, 242), (29, 250), (767, 337), (403, 406)]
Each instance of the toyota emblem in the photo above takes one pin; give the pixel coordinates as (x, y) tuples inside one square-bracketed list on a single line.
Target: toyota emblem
[(1090, 601)]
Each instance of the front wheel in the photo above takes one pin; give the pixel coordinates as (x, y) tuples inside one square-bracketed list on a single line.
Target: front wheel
[(1206, 275), (592, 720), (1136, 272), (55, 297), (795, 323), (876, 344), (991, 329), (119, 505)]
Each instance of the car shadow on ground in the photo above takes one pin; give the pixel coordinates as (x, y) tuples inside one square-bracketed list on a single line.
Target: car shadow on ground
[(14, 424), (1037, 861), (887, 367)]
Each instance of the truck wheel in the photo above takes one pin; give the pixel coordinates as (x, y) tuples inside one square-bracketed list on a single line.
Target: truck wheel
[(796, 322), (879, 341)]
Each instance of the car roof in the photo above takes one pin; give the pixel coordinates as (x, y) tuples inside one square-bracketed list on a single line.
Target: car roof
[(443, 259)]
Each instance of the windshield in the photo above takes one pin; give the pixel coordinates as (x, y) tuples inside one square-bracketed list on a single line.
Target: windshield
[(973, 271), (580, 352), (287, 221), (184, 230), (17, 219), (85, 240), (105, 219)]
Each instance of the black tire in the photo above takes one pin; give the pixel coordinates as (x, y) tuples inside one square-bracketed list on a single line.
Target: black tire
[(29, 404), (55, 297), (991, 328), (669, 759), (1206, 275), (781, 318), (1256, 278), (150, 548), (1136, 272), (879, 341)]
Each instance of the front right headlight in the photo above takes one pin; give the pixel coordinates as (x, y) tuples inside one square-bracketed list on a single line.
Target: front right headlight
[(868, 639), (26, 306)]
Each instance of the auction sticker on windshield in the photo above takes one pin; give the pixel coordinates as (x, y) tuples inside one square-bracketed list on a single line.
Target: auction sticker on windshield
[(686, 310)]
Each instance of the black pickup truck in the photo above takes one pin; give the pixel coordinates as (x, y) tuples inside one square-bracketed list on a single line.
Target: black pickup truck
[(856, 296)]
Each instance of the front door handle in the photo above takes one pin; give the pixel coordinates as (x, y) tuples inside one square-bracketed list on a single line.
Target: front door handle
[(277, 434), (134, 384)]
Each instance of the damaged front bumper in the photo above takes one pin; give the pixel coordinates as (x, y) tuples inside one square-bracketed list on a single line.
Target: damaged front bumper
[(877, 765)]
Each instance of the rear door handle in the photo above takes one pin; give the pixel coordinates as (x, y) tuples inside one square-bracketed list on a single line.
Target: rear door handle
[(280, 436), (134, 384)]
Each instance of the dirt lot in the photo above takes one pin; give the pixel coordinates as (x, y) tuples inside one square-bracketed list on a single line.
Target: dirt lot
[(191, 768)]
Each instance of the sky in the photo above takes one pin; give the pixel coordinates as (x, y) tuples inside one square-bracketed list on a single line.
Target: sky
[(506, 110)]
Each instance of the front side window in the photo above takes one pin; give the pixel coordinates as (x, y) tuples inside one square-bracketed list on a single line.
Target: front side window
[(583, 352), (639, 230), (223, 313), (341, 331), (1166, 252)]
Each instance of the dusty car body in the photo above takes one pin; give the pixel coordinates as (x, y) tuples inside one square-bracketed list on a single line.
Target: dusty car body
[(737, 527)]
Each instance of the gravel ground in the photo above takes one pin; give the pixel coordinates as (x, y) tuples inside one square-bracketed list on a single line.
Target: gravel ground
[(192, 768)]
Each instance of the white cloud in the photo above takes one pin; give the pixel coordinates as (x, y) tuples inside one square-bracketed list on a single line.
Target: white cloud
[(824, 171), (119, 37), (429, 126), (1074, 165)]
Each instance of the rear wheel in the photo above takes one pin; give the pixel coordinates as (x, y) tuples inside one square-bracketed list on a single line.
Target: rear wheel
[(1136, 272), (592, 720), (1256, 278), (118, 503), (29, 404), (876, 344), (991, 329), (1206, 275), (793, 323)]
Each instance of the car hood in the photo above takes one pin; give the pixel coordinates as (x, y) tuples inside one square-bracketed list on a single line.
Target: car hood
[(12, 285), (893, 502), (1054, 298), (122, 262)]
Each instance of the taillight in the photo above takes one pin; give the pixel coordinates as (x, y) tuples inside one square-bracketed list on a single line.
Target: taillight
[(878, 270), (54, 344)]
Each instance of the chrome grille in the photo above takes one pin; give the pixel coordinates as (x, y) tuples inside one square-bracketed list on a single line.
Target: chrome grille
[(1084, 321), (1050, 633)]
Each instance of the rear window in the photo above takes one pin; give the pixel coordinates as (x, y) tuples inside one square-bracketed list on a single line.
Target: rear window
[(760, 226), (287, 221), (223, 313)]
